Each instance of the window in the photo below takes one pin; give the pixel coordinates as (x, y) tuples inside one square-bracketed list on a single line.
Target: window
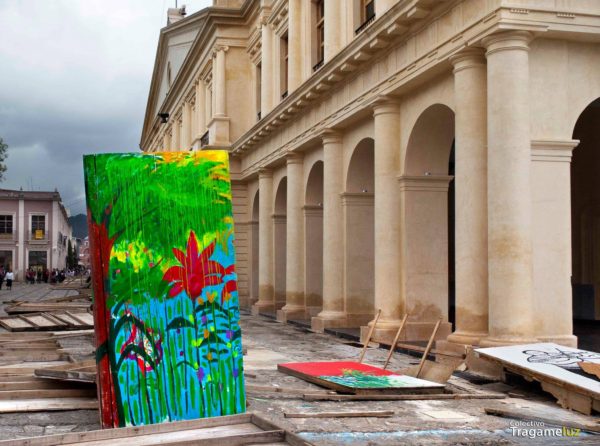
[(367, 10), (320, 33), (38, 227), (6, 225), (284, 66)]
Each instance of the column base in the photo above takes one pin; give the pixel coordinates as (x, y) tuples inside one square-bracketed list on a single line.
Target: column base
[(262, 307), (464, 337), (566, 340), (291, 312), (329, 319), (413, 331), (499, 341)]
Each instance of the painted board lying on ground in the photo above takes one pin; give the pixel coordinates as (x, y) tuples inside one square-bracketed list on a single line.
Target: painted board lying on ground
[(549, 360), (353, 376), (166, 305)]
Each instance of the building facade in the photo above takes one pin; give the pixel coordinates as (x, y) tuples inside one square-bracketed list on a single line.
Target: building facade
[(34, 231), (436, 158)]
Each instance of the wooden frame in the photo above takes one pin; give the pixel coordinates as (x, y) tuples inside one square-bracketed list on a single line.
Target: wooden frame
[(243, 429)]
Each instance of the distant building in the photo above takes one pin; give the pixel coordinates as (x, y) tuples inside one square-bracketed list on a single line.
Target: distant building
[(34, 230), (84, 252)]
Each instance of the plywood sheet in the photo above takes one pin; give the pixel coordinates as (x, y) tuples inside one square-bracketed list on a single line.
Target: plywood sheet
[(354, 377), (549, 362)]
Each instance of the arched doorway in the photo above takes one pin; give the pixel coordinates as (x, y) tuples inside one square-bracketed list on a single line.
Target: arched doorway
[(585, 224), (313, 227), (359, 218), (279, 241), (427, 200), (254, 249)]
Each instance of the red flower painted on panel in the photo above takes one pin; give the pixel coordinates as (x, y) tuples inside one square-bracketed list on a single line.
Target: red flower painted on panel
[(196, 272), (151, 347)]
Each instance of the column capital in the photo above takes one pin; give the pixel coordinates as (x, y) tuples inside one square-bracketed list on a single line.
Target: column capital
[(468, 58), (265, 172), (219, 47), (294, 158), (433, 183), (331, 136), (507, 40), (385, 105), (553, 150)]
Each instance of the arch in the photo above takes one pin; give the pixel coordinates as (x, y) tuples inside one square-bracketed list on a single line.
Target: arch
[(314, 185), (427, 199), (359, 233), (585, 215), (313, 239), (430, 142), (280, 241), (255, 206), (361, 170)]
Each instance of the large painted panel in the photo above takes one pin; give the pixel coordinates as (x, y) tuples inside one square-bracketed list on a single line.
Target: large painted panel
[(165, 296)]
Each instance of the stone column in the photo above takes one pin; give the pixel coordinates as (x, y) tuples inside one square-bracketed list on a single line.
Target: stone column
[(295, 59), (511, 309), (551, 184), (388, 296), (166, 142), (266, 71), (334, 29), (176, 135), (220, 81), (333, 313), (266, 285), (208, 110), (186, 126), (294, 295), (200, 113), (471, 249)]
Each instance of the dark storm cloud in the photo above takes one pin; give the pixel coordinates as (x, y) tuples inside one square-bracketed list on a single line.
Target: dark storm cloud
[(74, 79)]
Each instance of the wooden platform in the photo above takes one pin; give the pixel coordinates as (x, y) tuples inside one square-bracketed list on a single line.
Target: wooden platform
[(49, 321), (244, 429)]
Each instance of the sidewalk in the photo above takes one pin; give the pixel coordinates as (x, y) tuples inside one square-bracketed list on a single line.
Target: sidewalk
[(269, 343)]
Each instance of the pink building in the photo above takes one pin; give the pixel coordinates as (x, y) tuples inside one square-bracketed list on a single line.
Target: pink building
[(34, 230)]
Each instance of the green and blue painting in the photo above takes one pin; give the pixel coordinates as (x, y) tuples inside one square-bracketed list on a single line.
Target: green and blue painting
[(165, 289)]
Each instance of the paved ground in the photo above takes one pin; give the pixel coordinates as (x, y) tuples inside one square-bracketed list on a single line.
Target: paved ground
[(415, 422)]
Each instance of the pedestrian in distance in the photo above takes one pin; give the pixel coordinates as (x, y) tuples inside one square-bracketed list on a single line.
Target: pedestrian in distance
[(2, 274), (9, 279)]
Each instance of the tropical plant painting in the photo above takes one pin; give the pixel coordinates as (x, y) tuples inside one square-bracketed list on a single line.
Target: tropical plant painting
[(352, 375), (165, 296)]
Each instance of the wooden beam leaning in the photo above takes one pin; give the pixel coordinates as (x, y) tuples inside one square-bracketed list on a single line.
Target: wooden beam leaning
[(395, 342), (364, 350)]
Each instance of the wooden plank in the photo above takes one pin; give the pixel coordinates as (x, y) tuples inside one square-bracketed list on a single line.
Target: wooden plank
[(436, 396), (395, 341), (84, 318), (521, 415), (46, 393), (128, 432), (346, 414), (36, 307), (286, 390), (15, 324), (32, 383), (369, 336), (428, 348), (47, 404), (84, 371)]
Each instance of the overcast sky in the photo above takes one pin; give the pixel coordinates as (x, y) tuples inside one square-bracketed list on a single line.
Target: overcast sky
[(74, 79)]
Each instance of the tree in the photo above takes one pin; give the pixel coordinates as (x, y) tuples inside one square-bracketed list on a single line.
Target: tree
[(3, 156)]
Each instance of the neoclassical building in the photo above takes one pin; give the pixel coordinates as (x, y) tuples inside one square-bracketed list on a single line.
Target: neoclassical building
[(436, 158)]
